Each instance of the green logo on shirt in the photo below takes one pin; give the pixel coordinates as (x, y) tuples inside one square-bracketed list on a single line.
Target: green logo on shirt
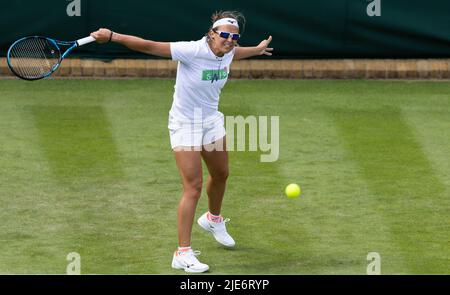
[(208, 75)]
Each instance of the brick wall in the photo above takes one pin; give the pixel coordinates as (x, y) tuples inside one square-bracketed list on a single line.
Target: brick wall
[(257, 69)]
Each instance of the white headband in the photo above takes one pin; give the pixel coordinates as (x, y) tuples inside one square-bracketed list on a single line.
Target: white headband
[(226, 21)]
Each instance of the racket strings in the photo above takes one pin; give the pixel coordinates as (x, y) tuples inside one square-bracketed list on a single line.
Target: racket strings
[(28, 69), (34, 57)]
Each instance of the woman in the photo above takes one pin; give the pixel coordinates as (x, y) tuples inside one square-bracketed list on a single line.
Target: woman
[(196, 127)]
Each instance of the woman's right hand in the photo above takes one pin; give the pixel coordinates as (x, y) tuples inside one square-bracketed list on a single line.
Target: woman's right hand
[(102, 35)]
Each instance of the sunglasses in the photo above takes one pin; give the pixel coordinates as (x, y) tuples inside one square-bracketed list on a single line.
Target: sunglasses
[(226, 35)]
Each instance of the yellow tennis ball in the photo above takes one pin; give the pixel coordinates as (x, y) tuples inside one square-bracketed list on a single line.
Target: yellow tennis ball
[(292, 190)]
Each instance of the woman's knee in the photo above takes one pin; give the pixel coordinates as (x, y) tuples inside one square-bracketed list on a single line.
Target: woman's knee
[(193, 188), (220, 175)]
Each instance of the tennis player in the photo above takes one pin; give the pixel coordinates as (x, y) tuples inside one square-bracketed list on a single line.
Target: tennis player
[(196, 127)]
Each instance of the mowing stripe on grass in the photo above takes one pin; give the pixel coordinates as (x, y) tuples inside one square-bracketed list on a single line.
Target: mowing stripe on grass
[(334, 208), (77, 142), (397, 171), (256, 200)]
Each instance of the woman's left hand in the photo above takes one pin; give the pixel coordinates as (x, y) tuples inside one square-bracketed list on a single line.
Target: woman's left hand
[(262, 47)]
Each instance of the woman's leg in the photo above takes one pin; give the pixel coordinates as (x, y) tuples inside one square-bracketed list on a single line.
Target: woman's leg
[(217, 162), (190, 168)]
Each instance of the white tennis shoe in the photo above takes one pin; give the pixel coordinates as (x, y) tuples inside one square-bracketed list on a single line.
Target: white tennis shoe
[(188, 261), (217, 229)]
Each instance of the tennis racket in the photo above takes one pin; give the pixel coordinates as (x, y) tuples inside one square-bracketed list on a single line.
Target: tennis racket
[(35, 57)]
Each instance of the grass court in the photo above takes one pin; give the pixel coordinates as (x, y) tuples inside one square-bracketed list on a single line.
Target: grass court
[(86, 166)]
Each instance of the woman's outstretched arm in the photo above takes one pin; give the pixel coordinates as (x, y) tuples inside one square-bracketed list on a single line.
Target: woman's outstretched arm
[(261, 49), (134, 43)]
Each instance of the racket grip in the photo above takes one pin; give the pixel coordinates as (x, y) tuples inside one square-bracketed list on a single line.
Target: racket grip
[(86, 40)]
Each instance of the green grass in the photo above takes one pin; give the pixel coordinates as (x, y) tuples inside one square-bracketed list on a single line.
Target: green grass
[(86, 167)]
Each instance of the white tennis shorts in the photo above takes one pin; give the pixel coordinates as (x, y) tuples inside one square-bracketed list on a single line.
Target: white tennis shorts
[(188, 134)]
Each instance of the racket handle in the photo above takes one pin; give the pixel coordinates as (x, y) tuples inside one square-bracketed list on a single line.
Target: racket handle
[(86, 40)]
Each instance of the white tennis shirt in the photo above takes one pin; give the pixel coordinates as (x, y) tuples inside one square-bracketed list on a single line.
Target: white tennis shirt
[(201, 76)]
